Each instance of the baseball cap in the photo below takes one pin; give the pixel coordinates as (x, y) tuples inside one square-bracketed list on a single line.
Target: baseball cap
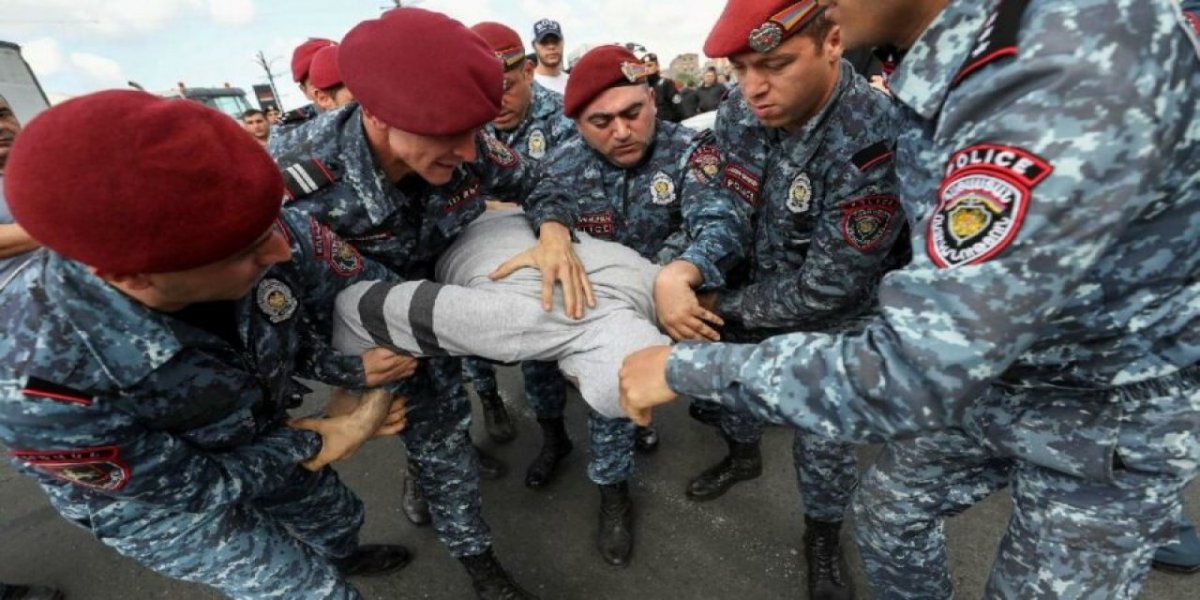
[(546, 27)]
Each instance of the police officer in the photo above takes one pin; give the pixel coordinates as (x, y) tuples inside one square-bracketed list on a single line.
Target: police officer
[(623, 179), (145, 373), (398, 174), (667, 98), (1043, 336), (807, 143), (302, 58), (530, 122), (325, 80)]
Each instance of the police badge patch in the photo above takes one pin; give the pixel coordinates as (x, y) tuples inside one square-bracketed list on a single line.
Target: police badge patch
[(799, 194), (662, 189), (499, 152), (866, 221), (98, 468), (705, 163), (537, 144), (276, 300), (982, 203), (342, 257)]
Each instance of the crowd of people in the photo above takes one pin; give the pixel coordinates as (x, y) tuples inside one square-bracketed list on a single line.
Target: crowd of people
[(973, 240)]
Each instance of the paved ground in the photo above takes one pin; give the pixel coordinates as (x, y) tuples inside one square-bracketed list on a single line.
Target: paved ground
[(743, 546)]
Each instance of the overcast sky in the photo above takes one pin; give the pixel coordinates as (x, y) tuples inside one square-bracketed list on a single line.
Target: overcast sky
[(79, 46)]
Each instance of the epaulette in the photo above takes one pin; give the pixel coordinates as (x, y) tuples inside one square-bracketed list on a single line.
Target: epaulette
[(871, 156), (997, 40), (305, 178)]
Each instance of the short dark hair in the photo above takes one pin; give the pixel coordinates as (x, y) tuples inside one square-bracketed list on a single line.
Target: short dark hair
[(250, 113), (817, 29)]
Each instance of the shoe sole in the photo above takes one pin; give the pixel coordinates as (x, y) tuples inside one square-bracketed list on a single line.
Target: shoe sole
[(1177, 569)]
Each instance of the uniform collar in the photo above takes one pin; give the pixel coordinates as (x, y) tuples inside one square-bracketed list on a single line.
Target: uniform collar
[(371, 185), (923, 79), (543, 105)]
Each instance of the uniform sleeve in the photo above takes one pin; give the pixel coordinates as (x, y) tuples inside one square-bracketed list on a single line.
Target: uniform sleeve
[(1055, 165), (550, 199), (717, 223), (852, 238), (503, 175), (325, 265), (90, 445)]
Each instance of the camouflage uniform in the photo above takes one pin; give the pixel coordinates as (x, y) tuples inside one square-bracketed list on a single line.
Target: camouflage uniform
[(825, 217), (168, 442), (1047, 325), (543, 129), (666, 203), (329, 171)]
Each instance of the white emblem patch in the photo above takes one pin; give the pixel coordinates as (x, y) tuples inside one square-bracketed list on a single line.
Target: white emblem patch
[(537, 144), (276, 300), (662, 189), (800, 194)]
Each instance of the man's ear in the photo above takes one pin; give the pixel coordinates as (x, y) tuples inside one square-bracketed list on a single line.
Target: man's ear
[(833, 44), (529, 68), (369, 120), (135, 282)]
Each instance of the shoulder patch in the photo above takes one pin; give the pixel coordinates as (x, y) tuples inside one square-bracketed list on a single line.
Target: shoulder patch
[(306, 177), (742, 181), (499, 152), (997, 40), (97, 468), (341, 256), (981, 203), (872, 156), (866, 221), (41, 388), (705, 163)]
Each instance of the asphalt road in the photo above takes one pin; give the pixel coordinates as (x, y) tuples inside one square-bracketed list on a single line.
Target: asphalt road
[(744, 546)]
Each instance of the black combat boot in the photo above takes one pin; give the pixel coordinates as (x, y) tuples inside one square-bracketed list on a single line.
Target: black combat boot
[(495, 418), (708, 413), (490, 580), (490, 467), (826, 563), (413, 503), (29, 592), (645, 439), (373, 559), (555, 446), (743, 462), (615, 538)]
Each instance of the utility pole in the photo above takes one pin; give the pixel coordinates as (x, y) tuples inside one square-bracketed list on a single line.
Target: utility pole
[(262, 61)]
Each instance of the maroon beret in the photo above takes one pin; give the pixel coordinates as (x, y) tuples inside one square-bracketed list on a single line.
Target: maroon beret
[(504, 42), (422, 72), (324, 74), (128, 182), (603, 67), (757, 25), (303, 54)]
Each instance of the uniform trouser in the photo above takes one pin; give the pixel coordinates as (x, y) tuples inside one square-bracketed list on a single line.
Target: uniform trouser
[(612, 442), (545, 388), (438, 441), (272, 547), (826, 471), (1069, 536)]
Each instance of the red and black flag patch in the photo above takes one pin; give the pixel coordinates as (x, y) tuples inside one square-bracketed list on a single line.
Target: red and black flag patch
[(306, 177), (982, 202), (342, 257), (97, 468), (742, 181), (866, 221), (40, 388)]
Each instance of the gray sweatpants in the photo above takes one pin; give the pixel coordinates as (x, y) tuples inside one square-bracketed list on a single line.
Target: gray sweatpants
[(470, 315)]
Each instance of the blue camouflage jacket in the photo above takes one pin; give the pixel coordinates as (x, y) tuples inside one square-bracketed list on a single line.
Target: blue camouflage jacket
[(544, 128), (331, 175), (104, 400), (825, 207), (666, 203), (1059, 247)]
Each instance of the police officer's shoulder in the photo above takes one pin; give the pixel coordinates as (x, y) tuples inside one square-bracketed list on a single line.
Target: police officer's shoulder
[(999, 42), (314, 242)]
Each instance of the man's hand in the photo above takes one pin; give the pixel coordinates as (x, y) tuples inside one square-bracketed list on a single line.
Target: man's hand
[(644, 383), (344, 402), (341, 436), (679, 310), (381, 366), (555, 258)]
